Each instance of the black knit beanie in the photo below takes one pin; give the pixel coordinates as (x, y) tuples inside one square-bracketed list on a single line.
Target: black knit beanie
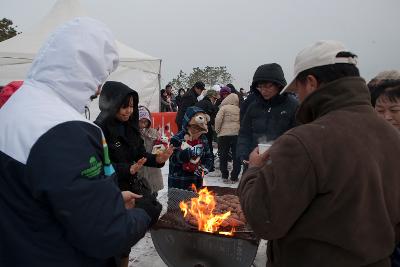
[(269, 73)]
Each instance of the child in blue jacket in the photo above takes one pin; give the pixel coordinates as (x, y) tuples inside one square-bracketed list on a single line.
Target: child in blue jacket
[(192, 157)]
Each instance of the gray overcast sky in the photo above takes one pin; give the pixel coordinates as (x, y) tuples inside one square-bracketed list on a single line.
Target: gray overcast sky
[(239, 34)]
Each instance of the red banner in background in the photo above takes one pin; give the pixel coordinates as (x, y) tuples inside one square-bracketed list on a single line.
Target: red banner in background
[(165, 123)]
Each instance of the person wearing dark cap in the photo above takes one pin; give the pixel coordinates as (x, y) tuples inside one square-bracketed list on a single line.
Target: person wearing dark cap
[(270, 114), (326, 193), (208, 104), (188, 99)]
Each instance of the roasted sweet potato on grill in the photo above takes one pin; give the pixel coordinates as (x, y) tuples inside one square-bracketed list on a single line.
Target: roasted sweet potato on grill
[(224, 204), (191, 219), (232, 222)]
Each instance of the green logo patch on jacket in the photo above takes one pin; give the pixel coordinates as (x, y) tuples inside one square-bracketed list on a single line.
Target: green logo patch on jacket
[(94, 169)]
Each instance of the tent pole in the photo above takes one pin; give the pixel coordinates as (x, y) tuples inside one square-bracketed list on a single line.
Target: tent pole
[(159, 87)]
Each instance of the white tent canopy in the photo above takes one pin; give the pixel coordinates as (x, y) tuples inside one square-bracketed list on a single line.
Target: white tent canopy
[(136, 69)]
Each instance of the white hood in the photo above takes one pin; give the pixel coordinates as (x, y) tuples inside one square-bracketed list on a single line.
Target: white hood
[(72, 63), (75, 60)]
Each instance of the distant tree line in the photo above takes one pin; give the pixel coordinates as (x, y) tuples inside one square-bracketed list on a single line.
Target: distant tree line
[(209, 75), (7, 30)]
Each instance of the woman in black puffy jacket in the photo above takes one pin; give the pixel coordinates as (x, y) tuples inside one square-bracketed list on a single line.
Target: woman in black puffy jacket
[(119, 120)]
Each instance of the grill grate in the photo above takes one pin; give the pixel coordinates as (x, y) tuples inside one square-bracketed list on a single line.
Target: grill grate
[(173, 218)]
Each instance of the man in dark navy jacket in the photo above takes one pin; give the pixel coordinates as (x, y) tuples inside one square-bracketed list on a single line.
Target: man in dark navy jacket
[(188, 99), (269, 113), (59, 203)]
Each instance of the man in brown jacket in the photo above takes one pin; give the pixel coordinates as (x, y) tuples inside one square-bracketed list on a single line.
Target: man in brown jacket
[(327, 193)]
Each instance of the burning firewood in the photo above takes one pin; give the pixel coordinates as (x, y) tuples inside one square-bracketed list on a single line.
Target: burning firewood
[(218, 211)]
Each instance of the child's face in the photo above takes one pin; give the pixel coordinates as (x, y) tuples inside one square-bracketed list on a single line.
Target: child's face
[(125, 112), (388, 110), (144, 123)]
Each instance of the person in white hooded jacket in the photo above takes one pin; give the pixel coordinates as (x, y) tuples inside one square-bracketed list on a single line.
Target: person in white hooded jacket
[(59, 202), (227, 125)]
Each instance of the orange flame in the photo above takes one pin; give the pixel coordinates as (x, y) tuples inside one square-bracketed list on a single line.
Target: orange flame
[(228, 233), (202, 209), (194, 188)]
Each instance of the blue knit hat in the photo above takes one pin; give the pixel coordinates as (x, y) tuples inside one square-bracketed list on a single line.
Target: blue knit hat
[(190, 112)]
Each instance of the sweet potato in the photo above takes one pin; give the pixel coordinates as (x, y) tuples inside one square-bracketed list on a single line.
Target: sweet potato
[(233, 222)]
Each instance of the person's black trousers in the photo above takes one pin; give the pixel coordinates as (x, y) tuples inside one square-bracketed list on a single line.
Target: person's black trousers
[(226, 143)]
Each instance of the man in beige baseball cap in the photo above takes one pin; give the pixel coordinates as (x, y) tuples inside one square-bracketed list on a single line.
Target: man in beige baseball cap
[(324, 194), (322, 53)]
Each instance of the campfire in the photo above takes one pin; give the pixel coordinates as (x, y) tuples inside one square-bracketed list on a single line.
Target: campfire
[(186, 241), (209, 212)]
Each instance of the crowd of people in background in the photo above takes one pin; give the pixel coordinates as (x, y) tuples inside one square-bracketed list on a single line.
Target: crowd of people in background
[(171, 100), (167, 100), (239, 121), (76, 192)]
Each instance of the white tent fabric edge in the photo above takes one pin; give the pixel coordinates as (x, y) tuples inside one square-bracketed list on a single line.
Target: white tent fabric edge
[(137, 69)]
